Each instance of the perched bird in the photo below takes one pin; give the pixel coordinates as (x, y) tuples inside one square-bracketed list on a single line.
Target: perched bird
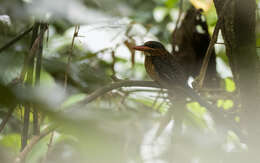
[(161, 66), (189, 45), (164, 69)]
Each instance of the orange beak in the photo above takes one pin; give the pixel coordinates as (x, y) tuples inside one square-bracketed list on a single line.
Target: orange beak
[(142, 48)]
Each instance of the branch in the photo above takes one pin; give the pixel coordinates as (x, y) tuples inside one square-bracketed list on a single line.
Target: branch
[(25, 130), (107, 88), (178, 19), (48, 148), (43, 27), (17, 38), (201, 77), (22, 155), (35, 139), (76, 31), (6, 118)]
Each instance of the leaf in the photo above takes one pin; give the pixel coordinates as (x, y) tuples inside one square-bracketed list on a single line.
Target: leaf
[(73, 99), (12, 141), (38, 151), (196, 109), (159, 13), (130, 44), (230, 85), (202, 4), (170, 3), (228, 104), (225, 104)]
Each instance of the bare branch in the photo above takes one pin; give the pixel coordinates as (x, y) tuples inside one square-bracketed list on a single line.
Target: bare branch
[(17, 38), (107, 88), (76, 31), (35, 139), (5, 120)]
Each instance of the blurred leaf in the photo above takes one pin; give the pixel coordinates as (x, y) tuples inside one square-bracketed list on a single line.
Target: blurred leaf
[(220, 103), (196, 109), (237, 119), (212, 18), (73, 99), (12, 141), (203, 4), (46, 79), (193, 120), (232, 136), (38, 151), (230, 85), (171, 3), (160, 13), (226, 104)]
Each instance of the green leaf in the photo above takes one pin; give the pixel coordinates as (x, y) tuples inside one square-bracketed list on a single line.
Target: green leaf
[(237, 119), (225, 104), (196, 109), (170, 3), (230, 85), (12, 141), (73, 99), (220, 103), (39, 150), (228, 104)]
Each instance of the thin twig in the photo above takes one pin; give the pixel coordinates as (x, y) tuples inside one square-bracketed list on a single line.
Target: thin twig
[(144, 90), (14, 40), (178, 19), (28, 68), (76, 31), (180, 13), (49, 147), (113, 63), (26, 121), (6, 118), (204, 66), (43, 28)]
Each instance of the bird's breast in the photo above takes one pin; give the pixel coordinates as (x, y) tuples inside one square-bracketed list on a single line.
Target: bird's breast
[(150, 69)]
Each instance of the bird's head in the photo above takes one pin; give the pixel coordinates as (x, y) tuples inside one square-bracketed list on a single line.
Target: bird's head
[(151, 48)]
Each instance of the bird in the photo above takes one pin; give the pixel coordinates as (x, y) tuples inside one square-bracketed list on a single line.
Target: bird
[(165, 70), (190, 42), (161, 66)]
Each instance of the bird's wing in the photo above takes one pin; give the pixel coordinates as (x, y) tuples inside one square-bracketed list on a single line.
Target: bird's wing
[(169, 70)]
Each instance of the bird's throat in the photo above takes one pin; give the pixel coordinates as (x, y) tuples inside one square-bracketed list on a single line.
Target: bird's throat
[(147, 54)]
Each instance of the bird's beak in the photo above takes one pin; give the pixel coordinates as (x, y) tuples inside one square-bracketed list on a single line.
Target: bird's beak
[(142, 48)]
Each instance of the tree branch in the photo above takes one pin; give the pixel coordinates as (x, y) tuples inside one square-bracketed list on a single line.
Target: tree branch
[(76, 31), (6, 118), (107, 88), (17, 38), (35, 139)]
